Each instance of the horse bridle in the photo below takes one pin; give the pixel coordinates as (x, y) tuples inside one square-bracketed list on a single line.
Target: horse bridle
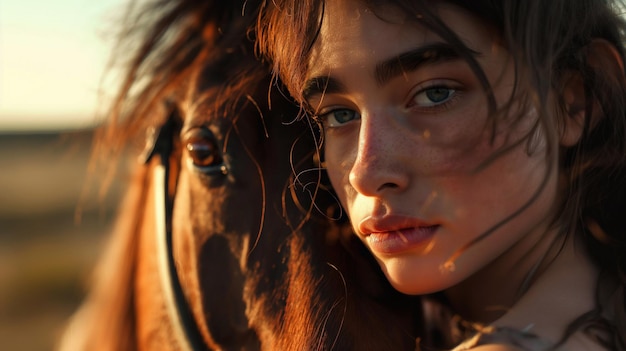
[(160, 142)]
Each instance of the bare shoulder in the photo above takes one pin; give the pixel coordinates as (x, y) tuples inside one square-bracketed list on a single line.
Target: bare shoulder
[(492, 338), (496, 347)]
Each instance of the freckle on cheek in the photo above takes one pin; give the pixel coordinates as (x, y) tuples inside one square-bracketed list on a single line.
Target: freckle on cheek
[(461, 211)]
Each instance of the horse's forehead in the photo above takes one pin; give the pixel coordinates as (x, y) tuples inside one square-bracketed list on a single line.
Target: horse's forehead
[(250, 116), (224, 121)]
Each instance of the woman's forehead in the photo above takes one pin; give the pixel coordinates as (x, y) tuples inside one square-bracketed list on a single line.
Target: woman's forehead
[(353, 34)]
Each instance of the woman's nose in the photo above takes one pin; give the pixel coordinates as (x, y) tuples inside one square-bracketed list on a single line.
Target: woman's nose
[(380, 165)]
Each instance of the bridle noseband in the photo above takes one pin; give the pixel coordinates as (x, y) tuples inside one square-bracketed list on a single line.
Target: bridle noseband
[(160, 142)]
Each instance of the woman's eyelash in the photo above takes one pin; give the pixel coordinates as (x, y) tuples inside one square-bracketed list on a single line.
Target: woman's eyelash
[(434, 97), (338, 117)]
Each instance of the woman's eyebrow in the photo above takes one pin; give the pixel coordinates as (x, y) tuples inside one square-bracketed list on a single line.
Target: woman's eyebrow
[(412, 60), (390, 68), (321, 85)]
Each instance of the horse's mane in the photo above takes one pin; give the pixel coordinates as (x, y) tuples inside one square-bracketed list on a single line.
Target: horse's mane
[(161, 49)]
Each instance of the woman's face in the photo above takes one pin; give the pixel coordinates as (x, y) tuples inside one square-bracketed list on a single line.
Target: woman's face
[(408, 143)]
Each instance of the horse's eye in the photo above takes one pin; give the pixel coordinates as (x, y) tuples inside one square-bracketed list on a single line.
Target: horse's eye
[(204, 152)]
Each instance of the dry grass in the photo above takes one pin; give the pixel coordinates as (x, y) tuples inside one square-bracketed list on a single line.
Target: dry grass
[(45, 254)]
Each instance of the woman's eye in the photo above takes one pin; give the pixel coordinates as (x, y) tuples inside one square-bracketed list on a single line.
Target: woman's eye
[(203, 150), (339, 117), (433, 96)]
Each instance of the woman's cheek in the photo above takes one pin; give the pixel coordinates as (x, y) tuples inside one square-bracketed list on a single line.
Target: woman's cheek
[(338, 156)]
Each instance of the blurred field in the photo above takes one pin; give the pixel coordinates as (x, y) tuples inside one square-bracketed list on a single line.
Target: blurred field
[(45, 254)]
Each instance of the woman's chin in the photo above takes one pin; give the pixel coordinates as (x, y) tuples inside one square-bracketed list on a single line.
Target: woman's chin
[(415, 280)]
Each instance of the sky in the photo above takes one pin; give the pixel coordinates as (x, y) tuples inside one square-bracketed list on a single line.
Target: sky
[(53, 54)]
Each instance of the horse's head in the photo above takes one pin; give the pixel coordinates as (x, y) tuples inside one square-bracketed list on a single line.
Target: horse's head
[(226, 256), (230, 227)]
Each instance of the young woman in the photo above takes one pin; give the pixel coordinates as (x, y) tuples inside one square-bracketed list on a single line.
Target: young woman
[(479, 150)]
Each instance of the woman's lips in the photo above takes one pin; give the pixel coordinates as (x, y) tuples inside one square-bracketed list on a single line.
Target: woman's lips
[(401, 240), (396, 234)]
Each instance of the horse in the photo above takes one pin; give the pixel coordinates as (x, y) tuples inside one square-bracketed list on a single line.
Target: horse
[(228, 237)]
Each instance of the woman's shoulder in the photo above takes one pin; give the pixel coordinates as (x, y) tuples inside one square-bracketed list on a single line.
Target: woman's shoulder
[(503, 339)]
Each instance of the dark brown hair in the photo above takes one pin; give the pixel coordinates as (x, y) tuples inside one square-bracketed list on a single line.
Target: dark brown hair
[(550, 39)]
